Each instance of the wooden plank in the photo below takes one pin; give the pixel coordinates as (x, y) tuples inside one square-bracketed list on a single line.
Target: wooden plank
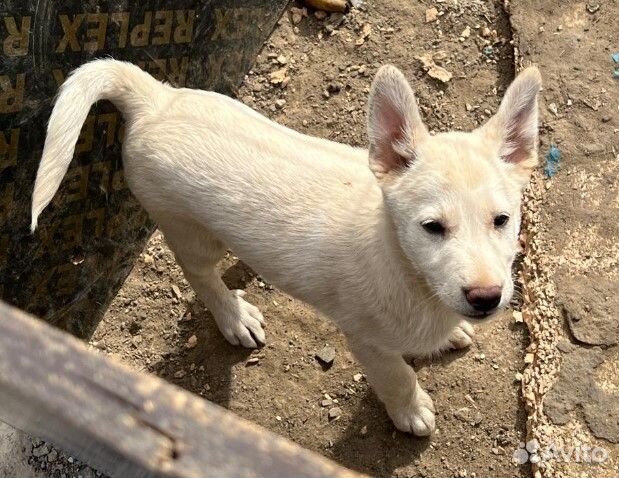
[(130, 424)]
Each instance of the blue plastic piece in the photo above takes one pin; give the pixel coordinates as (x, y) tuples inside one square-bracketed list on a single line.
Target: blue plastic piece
[(552, 161), (615, 57)]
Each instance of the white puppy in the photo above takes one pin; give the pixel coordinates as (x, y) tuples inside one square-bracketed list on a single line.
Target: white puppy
[(402, 254)]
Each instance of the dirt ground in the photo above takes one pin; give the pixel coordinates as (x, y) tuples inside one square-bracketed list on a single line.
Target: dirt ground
[(571, 386), (314, 76)]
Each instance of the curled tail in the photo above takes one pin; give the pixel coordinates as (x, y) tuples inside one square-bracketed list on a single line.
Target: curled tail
[(124, 84)]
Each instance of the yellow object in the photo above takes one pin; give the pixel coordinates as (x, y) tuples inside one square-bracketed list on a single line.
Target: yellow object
[(327, 5)]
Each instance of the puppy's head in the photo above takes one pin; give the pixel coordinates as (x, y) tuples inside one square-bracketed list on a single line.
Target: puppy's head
[(454, 198)]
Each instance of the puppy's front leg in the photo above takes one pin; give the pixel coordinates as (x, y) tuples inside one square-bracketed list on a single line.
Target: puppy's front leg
[(395, 383), (460, 337)]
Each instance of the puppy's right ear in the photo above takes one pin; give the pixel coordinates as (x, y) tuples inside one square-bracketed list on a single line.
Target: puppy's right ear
[(394, 125)]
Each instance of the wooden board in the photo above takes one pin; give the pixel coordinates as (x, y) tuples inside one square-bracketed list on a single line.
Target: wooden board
[(130, 424), (89, 237)]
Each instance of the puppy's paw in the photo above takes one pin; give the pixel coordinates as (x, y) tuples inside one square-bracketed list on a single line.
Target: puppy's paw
[(417, 417), (241, 322), (461, 336)]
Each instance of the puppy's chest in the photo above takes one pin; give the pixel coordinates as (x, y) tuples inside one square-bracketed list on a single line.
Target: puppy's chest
[(422, 333)]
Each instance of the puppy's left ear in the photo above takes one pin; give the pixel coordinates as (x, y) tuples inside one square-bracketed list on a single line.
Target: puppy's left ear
[(394, 125), (514, 127)]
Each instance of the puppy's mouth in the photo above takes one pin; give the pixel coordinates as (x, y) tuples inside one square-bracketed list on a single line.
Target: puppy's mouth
[(480, 315)]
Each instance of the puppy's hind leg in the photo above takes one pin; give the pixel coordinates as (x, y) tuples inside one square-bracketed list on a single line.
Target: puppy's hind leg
[(198, 252)]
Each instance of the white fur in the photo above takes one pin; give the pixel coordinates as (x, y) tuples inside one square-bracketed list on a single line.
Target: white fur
[(311, 217)]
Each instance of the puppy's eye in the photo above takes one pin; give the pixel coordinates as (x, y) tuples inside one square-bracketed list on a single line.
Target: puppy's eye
[(433, 227), (501, 220)]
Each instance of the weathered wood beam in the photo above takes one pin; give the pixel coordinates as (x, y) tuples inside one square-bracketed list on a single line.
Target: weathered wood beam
[(130, 424)]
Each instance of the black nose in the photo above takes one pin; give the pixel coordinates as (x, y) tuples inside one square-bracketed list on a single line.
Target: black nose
[(483, 299)]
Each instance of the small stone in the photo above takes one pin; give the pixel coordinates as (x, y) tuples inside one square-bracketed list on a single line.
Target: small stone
[(468, 107), (252, 361), (296, 17), (431, 14), (177, 291), (52, 457), (148, 260), (326, 355), (364, 430), (552, 107), (327, 402), (320, 14), (518, 376), (365, 33), (465, 33), (280, 104), (333, 22), (477, 418), (433, 70), (40, 451), (486, 32), (282, 60), (335, 413), (517, 316), (191, 342), (528, 358), (463, 414), (594, 148), (357, 377), (278, 77), (179, 374)]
